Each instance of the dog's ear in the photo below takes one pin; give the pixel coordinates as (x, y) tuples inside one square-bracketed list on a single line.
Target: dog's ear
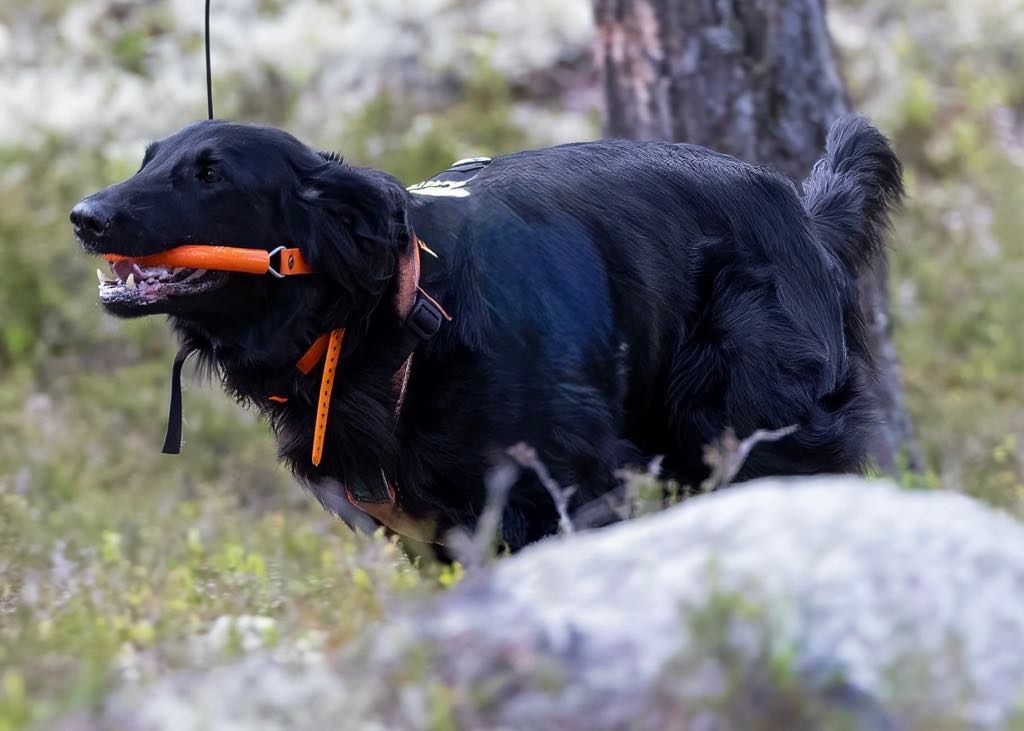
[(351, 222)]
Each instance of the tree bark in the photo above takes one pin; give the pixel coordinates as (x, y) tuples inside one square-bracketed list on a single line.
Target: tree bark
[(757, 79)]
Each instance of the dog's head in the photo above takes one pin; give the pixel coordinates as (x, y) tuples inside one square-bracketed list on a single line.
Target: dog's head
[(245, 186)]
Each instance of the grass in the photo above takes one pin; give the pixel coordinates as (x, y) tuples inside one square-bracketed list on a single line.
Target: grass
[(117, 561)]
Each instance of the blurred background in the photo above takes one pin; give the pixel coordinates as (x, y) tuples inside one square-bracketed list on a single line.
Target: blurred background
[(118, 563)]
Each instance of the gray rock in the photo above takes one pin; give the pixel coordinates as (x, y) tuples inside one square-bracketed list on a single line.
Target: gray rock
[(824, 603)]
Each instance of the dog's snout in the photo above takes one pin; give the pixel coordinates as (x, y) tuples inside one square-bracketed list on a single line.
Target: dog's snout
[(91, 220)]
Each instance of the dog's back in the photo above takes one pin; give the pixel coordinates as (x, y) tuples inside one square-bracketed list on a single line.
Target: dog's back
[(696, 292)]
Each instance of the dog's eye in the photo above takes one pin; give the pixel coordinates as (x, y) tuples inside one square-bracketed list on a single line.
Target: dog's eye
[(208, 175)]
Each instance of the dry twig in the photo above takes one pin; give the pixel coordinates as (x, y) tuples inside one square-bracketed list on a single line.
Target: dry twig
[(474, 550), (727, 456), (526, 456)]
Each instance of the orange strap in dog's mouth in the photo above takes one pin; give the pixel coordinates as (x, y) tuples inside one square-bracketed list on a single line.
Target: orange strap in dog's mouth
[(225, 259)]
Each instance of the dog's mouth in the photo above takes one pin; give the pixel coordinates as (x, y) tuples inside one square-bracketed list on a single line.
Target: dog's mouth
[(133, 287)]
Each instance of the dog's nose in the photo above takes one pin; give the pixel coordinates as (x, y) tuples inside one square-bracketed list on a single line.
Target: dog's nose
[(91, 220)]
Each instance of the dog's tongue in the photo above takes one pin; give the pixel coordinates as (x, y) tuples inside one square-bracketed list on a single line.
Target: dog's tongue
[(124, 267)]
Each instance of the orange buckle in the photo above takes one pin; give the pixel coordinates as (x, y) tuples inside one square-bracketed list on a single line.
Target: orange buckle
[(290, 262)]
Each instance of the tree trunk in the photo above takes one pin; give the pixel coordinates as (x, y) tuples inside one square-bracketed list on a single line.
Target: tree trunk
[(757, 79)]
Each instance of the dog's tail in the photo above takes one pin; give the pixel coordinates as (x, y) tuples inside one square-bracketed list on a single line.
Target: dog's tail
[(851, 190)]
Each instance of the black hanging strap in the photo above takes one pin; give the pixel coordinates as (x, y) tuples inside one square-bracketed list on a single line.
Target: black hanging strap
[(172, 441), (209, 72)]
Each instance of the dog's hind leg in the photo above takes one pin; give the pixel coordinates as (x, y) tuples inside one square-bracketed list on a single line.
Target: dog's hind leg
[(746, 364), (572, 441)]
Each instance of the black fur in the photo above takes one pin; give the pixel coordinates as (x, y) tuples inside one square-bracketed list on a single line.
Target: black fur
[(612, 301)]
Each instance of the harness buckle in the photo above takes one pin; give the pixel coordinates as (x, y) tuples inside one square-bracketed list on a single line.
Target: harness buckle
[(270, 266), (425, 319)]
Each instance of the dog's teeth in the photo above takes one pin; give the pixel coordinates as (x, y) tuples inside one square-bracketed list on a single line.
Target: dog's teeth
[(101, 277), (130, 281)]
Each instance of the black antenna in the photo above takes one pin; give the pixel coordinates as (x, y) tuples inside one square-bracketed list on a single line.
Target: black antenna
[(209, 75)]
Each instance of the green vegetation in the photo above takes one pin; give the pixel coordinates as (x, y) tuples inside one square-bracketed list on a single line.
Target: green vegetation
[(953, 103), (116, 561)]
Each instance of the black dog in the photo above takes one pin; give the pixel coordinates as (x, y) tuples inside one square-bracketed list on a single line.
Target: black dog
[(610, 301)]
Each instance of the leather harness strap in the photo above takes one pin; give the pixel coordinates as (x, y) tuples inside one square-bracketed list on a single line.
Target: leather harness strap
[(388, 513)]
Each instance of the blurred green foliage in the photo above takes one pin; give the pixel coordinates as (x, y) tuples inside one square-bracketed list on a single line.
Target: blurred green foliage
[(941, 77), (481, 120), (115, 560)]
